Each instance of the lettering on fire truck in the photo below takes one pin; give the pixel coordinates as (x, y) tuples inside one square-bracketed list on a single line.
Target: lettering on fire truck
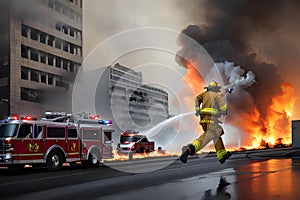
[(56, 139)]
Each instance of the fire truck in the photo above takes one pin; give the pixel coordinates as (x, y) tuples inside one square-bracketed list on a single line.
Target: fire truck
[(131, 141), (59, 138)]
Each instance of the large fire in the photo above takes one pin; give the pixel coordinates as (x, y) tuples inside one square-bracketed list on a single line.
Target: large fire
[(272, 131), (276, 129)]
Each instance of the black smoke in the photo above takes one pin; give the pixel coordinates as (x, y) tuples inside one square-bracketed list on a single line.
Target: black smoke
[(245, 32)]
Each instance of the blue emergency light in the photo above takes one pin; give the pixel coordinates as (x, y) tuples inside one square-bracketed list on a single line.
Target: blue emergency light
[(105, 122)]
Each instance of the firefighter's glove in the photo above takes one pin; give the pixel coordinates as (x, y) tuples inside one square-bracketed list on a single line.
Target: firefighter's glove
[(197, 113), (224, 113)]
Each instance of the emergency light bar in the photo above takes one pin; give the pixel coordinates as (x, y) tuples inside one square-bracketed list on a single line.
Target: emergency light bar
[(28, 118), (94, 117), (13, 117), (105, 122)]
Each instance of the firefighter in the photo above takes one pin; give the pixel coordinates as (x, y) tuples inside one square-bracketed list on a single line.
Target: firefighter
[(213, 107)]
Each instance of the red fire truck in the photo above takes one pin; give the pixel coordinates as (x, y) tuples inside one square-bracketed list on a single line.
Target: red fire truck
[(54, 140)]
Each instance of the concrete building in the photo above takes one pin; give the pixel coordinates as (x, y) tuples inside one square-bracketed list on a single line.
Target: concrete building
[(41, 51), (122, 96)]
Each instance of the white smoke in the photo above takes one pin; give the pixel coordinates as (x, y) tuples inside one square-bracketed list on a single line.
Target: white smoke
[(234, 75)]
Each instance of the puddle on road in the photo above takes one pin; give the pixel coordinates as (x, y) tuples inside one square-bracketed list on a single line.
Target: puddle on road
[(259, 180)]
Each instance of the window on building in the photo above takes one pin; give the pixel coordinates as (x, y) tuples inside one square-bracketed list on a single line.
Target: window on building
[(65, 64), (24, 73), (58, 62), (65, 29), (30, 95), (58, 26), (72, 46), (24, 30), (24, 51), (43, 58), (43, 38), (43, 78), (50, 60), (65, 46), (72, 32), (34, 55), (71, 66), (58, 43), (50, 79), (34, 34), (50, 40), (34, 75)]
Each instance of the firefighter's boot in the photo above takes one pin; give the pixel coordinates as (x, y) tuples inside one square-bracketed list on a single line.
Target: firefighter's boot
[(186, 151), (223, 155)]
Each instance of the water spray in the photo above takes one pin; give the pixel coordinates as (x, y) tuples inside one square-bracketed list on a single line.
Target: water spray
[(154, 130)]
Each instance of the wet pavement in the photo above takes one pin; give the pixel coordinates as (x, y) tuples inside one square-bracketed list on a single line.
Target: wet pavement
[(266, 179), (254, 175)]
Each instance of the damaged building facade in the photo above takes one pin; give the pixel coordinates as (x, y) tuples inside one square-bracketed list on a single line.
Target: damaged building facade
[(131, 103), (41, 52)]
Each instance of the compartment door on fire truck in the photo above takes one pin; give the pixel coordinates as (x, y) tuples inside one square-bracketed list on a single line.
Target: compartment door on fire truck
[(37, 144), (107, 143), (55, 136), (73, 144)]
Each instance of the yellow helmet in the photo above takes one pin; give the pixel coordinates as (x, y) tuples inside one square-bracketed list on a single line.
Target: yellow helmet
[(214, 86)]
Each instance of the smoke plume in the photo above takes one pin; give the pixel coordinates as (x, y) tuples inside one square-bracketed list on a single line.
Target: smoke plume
[(244, 32)]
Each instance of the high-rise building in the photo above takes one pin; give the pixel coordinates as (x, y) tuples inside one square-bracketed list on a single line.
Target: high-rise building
[(122, 96), (41, 51)]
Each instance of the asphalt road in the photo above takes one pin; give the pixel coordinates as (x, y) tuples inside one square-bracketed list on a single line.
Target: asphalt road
[(199, 179), (89, 183)]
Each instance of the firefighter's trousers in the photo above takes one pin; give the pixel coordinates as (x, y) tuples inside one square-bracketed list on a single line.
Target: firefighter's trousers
[(212, 131)]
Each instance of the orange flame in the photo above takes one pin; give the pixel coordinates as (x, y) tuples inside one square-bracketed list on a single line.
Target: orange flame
[(136, 156), (275, 129), (193, 78), (272, 131)]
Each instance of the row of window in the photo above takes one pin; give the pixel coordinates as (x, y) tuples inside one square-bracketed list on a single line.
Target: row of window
[(123, 80), (48, 59), (43, 77), (50, 40), (127, 70), (60, 8), (126, 75), (68, 30), (139, 96)]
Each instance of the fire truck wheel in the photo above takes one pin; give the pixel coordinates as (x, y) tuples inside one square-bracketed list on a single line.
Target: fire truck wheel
[(54, 161), (93, 159)]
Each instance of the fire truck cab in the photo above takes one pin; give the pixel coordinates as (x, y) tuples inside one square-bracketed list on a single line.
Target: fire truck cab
[(27, 141)]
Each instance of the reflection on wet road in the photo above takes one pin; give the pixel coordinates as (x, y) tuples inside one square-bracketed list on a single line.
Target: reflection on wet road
[(270, 179)]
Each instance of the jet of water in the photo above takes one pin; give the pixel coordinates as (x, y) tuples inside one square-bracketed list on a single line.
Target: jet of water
[(154, 130)]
